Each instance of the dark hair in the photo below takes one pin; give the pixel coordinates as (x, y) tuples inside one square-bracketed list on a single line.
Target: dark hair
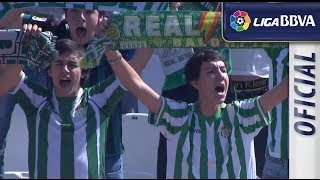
[(67, 45), (192, 67), (70, 46)]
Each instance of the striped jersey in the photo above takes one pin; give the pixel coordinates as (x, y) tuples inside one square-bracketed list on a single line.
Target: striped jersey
[(67, 134), (220, 146), (114, 134), (278, 131)]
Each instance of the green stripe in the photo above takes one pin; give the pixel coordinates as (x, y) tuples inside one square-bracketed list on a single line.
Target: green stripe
[(113, 100), (227, 122), (104, 126), (101, 86), (37, 89), (179, 152), (240, 149), (67, 143), (260, 123), (92, 144), (274, 110), (204, 151), (273, 129), (148, 6), (284, 116), (114, 132), (285, 129), (190, 155), (218, 149), (164, 6), (177, 113), (169, 127), (43, 143), (247, 113)]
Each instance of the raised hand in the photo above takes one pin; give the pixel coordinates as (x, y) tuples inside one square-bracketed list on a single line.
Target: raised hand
[(95, 51), (39, 47)]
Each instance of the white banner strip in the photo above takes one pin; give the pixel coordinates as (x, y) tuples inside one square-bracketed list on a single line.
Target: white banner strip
[(304, 111), (135, 116)]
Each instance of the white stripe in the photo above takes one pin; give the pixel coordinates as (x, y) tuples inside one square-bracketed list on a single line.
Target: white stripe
[(171, 155), (175, 105), (175, 121), (246, 122), (184, 164), (80, 153), (249, 153), (264, 117), (80, 144), (54, 147), (157, 116)]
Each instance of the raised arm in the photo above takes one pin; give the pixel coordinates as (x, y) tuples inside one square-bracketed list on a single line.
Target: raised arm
[(10, 75), (132, 81), (275, 96)]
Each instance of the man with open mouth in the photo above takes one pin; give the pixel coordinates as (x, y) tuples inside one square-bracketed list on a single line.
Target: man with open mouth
[(208, 138)]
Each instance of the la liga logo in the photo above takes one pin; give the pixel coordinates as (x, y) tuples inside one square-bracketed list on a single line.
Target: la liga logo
[(240, 21)]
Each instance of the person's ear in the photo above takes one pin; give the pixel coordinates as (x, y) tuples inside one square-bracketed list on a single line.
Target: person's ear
[(101, 16)]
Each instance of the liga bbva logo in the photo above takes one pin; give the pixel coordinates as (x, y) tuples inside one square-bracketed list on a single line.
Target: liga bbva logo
[(240, 21)]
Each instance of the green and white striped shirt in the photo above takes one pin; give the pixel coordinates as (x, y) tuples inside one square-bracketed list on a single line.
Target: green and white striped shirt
[(278, 131), (67, 134), (220, 146)]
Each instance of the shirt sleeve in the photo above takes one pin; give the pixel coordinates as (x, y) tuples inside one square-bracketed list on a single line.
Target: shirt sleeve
[(249, 116), (29, 95), (172, 117), (107, 93)]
